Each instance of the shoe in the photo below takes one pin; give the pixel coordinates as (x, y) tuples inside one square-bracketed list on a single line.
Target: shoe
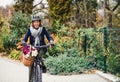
[(44, 69)]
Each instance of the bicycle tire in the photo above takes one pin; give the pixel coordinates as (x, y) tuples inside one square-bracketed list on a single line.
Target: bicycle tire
[(39, 73), (33, 73)]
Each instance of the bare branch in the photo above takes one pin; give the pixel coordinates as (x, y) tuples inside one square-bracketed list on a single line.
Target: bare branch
[(118, 4), (41, 10), (37, 4), (107, 5)]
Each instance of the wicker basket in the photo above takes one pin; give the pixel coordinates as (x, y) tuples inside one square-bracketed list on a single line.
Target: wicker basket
[(27, 61)]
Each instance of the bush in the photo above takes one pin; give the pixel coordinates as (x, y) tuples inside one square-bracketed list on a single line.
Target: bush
[(90, 45), (19, 23), (113, 63), (14, 54), (66, 63), (8, 39), (11, 35), (113, 51)]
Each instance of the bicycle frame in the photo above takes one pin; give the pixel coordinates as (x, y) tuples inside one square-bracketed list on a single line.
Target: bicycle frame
[(36, 70)]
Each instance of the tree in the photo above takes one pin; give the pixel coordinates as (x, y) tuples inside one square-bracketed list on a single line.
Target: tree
[(111, 10), (85, 12), (1, 22), (26, 6), (60, 9), (116, 18)]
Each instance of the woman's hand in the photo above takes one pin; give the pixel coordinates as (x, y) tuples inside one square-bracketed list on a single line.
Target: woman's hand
[(51, 43), (24, 43)]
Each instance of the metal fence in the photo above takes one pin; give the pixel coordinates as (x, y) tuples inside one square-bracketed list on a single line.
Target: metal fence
[(107, 42)]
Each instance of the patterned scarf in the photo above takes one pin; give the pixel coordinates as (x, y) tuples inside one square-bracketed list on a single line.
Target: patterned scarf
[(36, 33)]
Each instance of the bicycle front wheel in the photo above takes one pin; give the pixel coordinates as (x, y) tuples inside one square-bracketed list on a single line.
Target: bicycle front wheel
[(39, 73)]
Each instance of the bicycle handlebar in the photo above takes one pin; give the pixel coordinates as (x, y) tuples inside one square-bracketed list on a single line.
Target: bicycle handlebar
[(42, 46)]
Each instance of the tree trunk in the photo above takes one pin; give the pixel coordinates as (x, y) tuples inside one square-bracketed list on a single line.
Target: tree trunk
[(112, 10), (110, 20), (85, 16)]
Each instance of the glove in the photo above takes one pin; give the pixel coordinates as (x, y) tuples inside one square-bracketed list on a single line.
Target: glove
[(24, 43), (52, 43)]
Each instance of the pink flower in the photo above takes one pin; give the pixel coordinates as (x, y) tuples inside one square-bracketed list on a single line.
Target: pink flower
[(29, 52), (26, 49)]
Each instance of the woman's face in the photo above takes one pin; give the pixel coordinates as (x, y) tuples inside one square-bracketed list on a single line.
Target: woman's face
[(36, 24)]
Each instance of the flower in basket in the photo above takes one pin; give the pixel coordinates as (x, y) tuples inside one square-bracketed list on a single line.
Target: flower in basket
[(29, 51)]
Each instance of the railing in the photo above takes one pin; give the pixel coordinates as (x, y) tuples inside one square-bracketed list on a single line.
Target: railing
[(109, 39)]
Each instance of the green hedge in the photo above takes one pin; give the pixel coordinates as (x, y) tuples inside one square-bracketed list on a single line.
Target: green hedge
[(11, 34), (66, 63), (58, 60)]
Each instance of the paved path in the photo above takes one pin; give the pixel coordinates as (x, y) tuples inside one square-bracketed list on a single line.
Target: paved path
[(11, 71), (73, 78)]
